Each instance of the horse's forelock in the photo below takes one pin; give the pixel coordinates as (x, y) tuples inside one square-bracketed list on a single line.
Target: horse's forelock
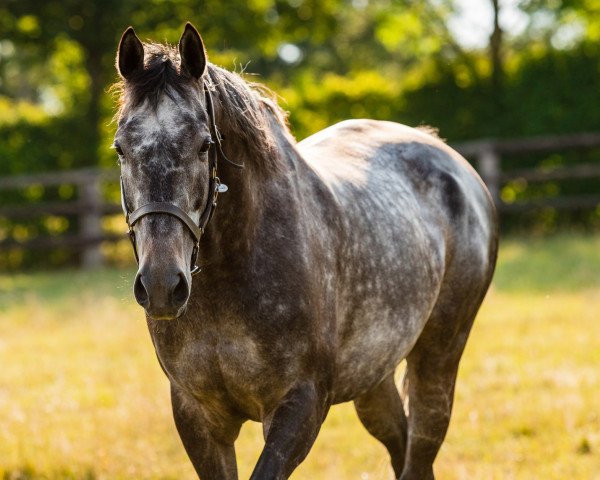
[(161, 74)]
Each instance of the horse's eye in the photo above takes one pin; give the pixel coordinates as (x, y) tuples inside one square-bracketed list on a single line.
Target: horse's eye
[(119, 150), (206, 145)]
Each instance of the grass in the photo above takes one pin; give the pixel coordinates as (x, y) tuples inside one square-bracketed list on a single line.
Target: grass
[(82, 395)]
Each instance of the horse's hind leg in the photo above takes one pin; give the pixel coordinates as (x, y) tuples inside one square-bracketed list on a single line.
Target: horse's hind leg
[(432, 367), (380, 411), (430, 393)]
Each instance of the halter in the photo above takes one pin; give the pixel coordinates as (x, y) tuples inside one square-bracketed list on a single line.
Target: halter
[(214, 188)]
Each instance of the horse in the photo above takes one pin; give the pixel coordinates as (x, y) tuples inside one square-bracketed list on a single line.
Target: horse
[(327, 263)]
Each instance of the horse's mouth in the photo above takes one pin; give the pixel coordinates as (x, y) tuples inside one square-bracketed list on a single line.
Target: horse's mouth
[(166, 315)]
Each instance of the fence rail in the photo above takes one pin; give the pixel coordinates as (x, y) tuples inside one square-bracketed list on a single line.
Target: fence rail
[(487, 156), (90, 206)]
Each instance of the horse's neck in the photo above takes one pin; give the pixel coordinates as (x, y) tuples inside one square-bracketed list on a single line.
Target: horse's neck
[(230, 234)]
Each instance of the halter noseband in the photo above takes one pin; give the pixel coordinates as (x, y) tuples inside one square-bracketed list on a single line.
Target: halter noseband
[(214, 188)]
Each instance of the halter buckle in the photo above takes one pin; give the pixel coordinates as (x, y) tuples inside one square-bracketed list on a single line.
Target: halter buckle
[(195, 268), (131, 234), (216, 191)]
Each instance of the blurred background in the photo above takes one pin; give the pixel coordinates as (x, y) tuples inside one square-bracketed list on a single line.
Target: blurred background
[(514, 85)]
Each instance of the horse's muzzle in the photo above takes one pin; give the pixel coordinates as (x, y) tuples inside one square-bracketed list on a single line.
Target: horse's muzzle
[(163, 294)]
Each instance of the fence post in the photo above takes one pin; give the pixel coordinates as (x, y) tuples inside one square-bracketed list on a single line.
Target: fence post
[(488, 164), (90, 220)]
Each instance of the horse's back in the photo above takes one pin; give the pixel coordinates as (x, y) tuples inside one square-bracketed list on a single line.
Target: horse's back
[(388, 170), (412, 211)]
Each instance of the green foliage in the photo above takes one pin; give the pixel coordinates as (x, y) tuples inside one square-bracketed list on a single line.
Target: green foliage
[(69, 81)]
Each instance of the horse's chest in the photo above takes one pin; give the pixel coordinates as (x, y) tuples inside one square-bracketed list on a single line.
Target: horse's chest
[(228, 370)]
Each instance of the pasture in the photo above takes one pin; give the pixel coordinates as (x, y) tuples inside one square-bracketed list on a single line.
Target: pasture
[(83, 397)]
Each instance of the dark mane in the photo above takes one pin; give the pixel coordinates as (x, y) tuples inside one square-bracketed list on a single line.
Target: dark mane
[(245, 113)]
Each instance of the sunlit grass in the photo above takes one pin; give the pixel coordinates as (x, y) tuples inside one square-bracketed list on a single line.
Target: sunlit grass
[(82, 395)]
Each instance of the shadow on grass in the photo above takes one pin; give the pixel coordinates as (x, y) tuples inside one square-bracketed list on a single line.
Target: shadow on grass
[(29, 473), (54, 287), (564, 262)]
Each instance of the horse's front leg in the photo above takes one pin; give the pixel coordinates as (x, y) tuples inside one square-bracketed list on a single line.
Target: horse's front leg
[(290, 431), (210, 447)]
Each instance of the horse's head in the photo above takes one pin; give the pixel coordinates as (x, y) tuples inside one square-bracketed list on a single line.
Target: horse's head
[(164, 144)]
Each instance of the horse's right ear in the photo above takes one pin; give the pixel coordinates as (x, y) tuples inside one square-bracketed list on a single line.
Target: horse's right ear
[(192, 52), (130, 54)]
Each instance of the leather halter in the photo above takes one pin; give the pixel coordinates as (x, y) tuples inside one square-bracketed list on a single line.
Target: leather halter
[(214, 188)]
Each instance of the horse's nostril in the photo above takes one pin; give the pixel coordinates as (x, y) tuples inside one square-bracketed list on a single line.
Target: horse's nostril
[(162, 294), (140, 292), (181, 291)]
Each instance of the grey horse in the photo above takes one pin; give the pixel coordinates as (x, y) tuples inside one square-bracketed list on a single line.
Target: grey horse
[(326, 263)]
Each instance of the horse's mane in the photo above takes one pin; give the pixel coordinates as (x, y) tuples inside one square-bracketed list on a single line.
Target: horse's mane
[(246, 112)]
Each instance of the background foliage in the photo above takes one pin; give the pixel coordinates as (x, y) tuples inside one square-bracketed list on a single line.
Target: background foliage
[(400, 60)]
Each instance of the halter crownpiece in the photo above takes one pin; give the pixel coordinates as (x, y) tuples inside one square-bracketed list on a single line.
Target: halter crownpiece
[(214, 188)]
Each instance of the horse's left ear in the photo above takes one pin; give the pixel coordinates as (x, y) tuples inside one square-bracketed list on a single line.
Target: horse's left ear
[(191, 50), (130, 54)]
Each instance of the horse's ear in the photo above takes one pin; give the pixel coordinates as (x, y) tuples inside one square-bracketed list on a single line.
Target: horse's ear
[(130, 54), (191, 50)]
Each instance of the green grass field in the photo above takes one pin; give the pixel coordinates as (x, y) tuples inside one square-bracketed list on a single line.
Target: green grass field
[(82, 395)]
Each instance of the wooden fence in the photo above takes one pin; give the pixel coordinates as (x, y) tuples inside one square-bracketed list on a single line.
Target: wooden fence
[(486, 156), (90, 206)]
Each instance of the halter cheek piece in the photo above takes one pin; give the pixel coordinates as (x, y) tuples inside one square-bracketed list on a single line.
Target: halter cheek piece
[(214, 188)]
